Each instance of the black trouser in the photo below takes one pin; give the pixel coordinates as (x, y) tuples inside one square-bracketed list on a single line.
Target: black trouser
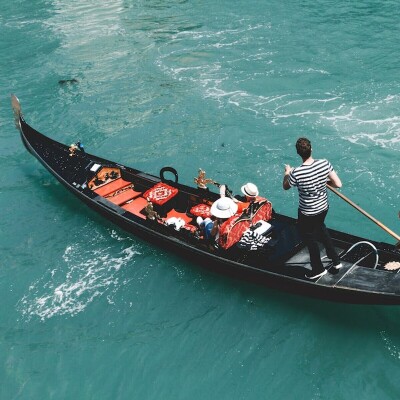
[(313, 230)]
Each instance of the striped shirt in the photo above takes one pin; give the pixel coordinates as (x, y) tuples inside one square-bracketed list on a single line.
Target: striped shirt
[(311, 183)]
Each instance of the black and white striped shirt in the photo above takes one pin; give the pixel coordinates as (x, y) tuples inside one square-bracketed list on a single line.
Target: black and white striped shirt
[(311, 183)]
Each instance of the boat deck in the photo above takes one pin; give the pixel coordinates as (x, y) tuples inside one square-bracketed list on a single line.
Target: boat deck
[(350, 275)]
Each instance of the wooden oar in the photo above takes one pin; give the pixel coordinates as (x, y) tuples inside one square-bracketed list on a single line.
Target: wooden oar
[(385, 228)]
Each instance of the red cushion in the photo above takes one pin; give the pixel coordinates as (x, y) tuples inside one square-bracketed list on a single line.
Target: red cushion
[(160, 193), (201, 210), (185, 217), (177, 214)]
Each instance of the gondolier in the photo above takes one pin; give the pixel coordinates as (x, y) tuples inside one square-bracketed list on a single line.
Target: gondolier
[(310, 178)]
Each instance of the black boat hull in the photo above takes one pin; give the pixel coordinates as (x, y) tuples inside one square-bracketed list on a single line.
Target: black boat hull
[(355, 284)]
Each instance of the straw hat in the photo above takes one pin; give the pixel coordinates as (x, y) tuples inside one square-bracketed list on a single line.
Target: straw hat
[(224, 207), (249, 189)]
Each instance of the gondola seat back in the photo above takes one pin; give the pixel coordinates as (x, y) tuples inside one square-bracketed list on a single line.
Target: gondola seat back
[(112, 187), (121, 197)]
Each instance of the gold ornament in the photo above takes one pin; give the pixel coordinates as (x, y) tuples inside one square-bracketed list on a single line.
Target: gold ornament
[(72, 149), (149, 211), (201, 181)]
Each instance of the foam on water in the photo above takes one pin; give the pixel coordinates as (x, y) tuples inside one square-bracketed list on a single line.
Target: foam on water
[(86, 271), (192, 56), (363, 124), (373, 122)]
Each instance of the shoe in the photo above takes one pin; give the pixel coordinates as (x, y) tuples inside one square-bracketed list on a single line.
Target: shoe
[(338, 266), (315, 276)]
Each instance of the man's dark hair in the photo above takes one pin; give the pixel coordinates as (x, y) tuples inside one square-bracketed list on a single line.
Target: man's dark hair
[(303, 147)]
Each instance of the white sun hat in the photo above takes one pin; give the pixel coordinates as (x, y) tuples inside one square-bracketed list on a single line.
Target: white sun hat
[(250, 189), (224, 207)]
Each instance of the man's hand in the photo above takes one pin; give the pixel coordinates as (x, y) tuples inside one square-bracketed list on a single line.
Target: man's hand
[(288, 169)]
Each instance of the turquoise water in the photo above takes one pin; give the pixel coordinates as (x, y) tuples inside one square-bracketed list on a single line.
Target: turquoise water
[(90, 312)]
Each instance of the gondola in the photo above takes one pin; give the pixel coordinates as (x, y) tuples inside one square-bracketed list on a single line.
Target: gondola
[(164, 211)]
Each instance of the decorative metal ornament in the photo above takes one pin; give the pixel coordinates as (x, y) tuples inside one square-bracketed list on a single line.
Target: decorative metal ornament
[(201, 181)]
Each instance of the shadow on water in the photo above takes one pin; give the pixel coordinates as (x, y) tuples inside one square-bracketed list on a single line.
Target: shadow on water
[(359, 319)]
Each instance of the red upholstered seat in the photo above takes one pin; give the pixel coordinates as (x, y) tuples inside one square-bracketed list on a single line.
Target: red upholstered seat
[(136, 206), (124, 196), (111, 187), (201, 210), (160, 193)]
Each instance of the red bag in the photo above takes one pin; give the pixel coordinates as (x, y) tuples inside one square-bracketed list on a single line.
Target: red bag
[(232, 230)]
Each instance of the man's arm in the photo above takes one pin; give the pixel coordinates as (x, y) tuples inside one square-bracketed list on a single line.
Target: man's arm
[(334, 180), (285, 183)]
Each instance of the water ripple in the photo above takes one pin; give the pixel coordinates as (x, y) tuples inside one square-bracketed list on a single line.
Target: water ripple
[(87, 271)]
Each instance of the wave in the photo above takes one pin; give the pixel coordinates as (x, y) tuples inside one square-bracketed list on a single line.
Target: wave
[(251, 74), (88, 270)]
